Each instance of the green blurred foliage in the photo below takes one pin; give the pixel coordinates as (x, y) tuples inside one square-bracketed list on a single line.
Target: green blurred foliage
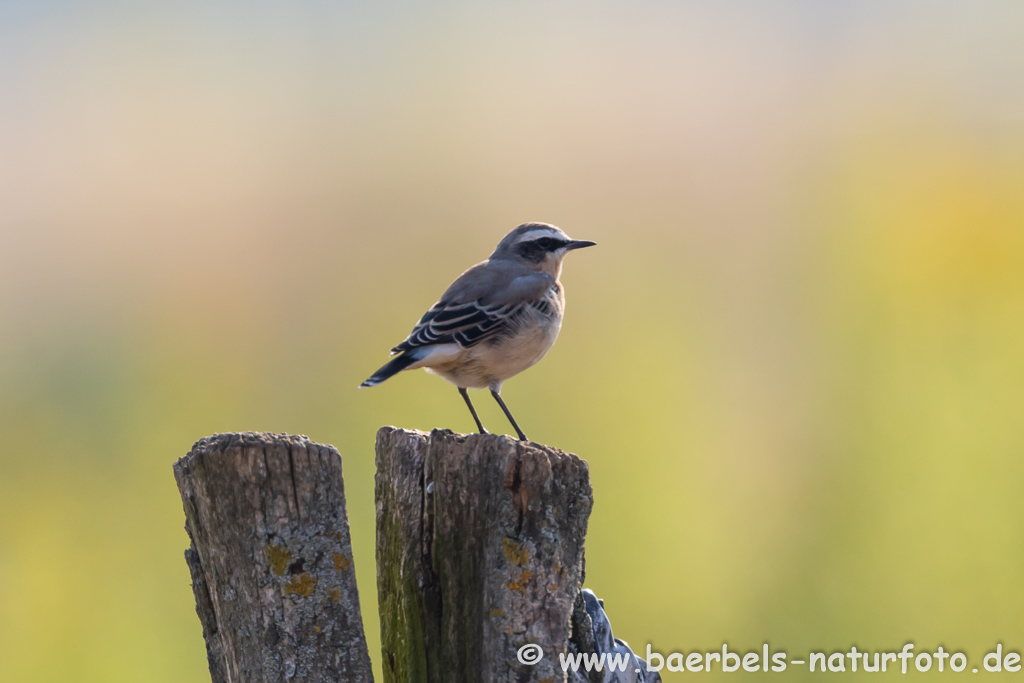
[(795, 361)]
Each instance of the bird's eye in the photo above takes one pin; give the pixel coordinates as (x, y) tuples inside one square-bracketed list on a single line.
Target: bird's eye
[(546, 243)]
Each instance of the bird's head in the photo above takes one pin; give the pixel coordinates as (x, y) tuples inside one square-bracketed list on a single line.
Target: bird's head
[(539, 244)]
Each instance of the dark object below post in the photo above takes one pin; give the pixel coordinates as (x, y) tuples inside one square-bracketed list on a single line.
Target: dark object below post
[(271, 560)]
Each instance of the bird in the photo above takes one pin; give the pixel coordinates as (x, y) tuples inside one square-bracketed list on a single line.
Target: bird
[(497, 319)]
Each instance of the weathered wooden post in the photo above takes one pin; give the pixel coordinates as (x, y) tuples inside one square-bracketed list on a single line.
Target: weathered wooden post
[(271, 560), (479, 554), (479, 562)]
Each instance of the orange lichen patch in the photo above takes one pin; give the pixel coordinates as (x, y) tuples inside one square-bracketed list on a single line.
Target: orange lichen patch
[(549, 680), (497, 612), (317, 629), (341, 563), (520, 584), (303, 585), (279, 557), (336, 536), (334, 594), (514, 551), (553, 587)]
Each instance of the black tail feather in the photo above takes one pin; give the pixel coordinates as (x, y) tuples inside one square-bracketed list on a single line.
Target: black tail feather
[(392, 367)]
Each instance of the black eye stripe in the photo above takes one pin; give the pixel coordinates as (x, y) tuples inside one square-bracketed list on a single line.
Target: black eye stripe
[(550, 243), (536, 250)]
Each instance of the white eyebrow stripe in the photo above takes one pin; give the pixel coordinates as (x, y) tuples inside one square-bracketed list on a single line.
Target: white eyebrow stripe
[(539, 233)]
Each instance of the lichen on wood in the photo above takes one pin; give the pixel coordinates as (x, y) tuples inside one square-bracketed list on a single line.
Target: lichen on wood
[(271, 559), (479, 552)]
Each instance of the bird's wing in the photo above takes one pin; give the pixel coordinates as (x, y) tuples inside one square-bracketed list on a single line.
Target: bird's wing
[(466, 324), (484, 302)]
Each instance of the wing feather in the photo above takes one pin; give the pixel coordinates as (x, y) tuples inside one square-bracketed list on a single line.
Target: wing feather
[(465, 324), (487, 300)]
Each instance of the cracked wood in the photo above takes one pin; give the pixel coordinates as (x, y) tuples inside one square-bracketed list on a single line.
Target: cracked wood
[(479, 552), (271, 560)]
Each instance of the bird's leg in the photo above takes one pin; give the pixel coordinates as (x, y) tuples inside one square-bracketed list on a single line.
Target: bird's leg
[(479, 424), (508, 414)]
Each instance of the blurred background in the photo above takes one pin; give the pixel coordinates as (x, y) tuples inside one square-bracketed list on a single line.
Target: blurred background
[(795, 361)]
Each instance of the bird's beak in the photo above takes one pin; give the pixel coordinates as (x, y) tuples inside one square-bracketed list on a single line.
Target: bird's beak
[(579, 244)]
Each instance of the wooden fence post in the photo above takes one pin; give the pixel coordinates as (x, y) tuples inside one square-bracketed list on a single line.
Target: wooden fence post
[(480, 562), (271, 560), (479, 554)]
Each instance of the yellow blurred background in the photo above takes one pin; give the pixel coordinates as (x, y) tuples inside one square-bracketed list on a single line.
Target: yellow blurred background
[(795, 361)]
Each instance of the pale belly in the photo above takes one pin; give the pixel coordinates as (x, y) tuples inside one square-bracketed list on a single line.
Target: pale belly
[(492, 362)]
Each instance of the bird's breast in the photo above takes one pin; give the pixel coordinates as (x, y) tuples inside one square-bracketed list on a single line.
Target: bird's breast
[(532, 336)]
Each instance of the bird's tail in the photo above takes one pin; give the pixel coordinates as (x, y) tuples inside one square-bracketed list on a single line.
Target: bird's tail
[(392, 367)]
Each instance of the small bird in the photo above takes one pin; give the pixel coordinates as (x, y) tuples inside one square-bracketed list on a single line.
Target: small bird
[(497, 319)]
